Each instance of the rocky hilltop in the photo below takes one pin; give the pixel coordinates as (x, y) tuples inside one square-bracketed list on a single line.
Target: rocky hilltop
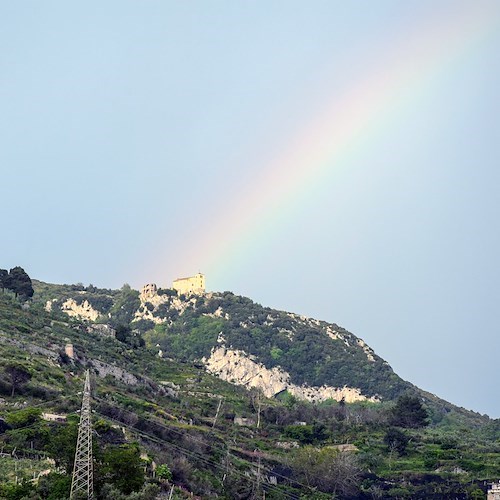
[(239, 341)]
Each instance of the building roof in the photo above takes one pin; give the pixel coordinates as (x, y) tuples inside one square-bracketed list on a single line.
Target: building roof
[(188, 277)]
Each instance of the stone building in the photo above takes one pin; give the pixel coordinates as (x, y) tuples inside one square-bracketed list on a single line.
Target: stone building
[(148, 291), (193, 284), (69, 350)]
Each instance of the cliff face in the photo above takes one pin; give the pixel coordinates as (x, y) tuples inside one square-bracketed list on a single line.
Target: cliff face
[(241, 369), (81, 311)]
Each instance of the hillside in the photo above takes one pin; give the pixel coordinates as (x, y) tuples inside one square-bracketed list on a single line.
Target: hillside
[(241, 341), (159, 393)]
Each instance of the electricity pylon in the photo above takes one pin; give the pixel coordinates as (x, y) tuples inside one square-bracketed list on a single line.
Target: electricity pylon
[(82, 471)]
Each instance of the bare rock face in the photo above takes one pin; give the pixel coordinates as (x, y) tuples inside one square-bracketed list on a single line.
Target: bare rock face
[(82, 311), (104, 369), (151, 301), (238, 368), (367, 350), (103, 330), (48, 305), (241, 369)]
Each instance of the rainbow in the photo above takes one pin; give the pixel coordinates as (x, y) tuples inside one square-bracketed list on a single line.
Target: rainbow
[(324, 147)]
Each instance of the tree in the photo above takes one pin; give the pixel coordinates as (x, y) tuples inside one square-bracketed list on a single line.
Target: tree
[(122, 333), (13, 491), (19, 282), (123, 467), (54, 486), (62, 444), (126, 304), (396, 440), (301, 433), (125, 334), (148, 492), (25, 417), (409, 412), (4, 278), (18, 375)]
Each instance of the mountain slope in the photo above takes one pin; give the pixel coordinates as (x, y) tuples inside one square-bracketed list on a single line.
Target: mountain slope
[(217, 438), (245, 343), (313, 359)]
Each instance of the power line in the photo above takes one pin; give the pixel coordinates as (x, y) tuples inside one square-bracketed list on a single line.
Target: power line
[(83, 469), (176, 431), (202, 458), (180, 433), (198, 456)]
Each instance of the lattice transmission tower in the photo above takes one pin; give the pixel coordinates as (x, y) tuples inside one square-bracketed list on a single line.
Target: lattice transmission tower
[(82, 471)]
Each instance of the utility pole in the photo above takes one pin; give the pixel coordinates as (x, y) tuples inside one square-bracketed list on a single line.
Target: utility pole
[(83, 471), (258, 488)]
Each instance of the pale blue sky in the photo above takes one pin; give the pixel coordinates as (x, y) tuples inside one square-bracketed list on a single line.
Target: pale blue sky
[(127, 126)]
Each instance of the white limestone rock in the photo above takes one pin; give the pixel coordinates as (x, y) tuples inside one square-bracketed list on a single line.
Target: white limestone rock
[(239, 368), (82, 311)]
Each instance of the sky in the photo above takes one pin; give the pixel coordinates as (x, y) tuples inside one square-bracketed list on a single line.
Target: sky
[(329, 158)]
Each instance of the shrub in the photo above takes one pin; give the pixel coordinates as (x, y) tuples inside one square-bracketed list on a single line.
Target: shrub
[(123, 467), (163, 472), (22, 418), (397, 440), (12, 491), (55, 486)]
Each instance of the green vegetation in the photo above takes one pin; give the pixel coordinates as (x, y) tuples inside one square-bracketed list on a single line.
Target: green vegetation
[(187, 340), (155, 419), (18, 375), (301, 347), (409, 412), (126, 302), (17, 281)]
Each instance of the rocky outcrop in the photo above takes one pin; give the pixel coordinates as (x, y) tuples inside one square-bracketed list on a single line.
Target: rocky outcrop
[(366, 349), (151, 302), (104, 369), (236, 367), (241, 369), (48, 305), (102, 329), (51, 354), (218, 313), (82, 311)]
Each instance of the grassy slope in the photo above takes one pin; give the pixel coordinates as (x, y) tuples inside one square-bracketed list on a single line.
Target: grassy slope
[(181, 424)]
